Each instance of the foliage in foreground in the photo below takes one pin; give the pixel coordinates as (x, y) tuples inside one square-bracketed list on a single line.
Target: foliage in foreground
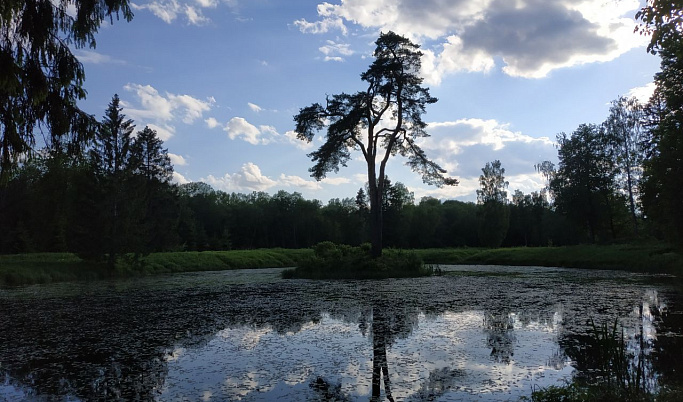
[(335, 261), (611, 372)]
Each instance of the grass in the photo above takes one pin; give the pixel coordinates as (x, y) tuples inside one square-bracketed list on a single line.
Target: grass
[(25, 269), (647, 257)]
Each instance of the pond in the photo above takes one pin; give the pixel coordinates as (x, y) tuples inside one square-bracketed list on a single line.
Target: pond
[(475, 333)]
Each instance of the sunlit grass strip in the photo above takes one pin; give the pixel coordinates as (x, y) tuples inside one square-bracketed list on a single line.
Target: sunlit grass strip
[(651, 258), (23, 269)]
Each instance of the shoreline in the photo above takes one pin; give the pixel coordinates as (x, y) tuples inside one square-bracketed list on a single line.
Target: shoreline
[(27, 269)]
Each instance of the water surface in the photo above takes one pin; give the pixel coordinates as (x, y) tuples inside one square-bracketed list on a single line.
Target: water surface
[(476, 333)]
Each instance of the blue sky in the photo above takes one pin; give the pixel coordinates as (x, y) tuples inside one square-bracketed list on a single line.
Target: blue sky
[(221, 79)]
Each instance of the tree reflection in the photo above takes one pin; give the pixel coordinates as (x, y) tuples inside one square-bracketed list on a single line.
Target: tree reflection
[(500, 336), (381, 330)]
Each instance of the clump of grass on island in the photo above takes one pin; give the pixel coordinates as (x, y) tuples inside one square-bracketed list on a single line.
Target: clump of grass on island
[(338, 261)]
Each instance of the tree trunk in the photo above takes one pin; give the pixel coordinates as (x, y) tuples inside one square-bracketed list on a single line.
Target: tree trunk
[(376, 222), (375, 188)]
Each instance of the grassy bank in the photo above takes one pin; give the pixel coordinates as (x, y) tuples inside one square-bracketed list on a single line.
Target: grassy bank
[(54, 267), (23, 269), (650, 257)]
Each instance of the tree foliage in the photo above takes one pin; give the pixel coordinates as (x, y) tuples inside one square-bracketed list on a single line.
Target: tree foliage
[(624, 136), (662, 184), (663, 21), (383, 120), (584, 185), (492, 183), (494, 214), (40, 78)]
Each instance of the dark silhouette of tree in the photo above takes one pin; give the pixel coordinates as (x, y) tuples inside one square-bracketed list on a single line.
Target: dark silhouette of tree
[(494, 214), (492, 183), (383, 120), (40, 78), (662, 184), (663, 21), (584, 185), (149, 158), (623, 130), (113, 168)]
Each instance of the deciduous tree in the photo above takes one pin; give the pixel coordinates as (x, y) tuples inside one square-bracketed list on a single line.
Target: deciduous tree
[(383, 120)]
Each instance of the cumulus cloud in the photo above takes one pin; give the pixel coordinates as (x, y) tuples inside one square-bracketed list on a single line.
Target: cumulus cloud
[(161, 112), (644, 93), (464, 146), (336, 181), (330, 21), (299, 182), (238, 127), (531, 37), (177, 160), (290, 136), (249, 178), (211, 122), (179, 179)]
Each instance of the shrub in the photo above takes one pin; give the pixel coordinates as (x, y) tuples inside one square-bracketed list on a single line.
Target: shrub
[(338, 261)]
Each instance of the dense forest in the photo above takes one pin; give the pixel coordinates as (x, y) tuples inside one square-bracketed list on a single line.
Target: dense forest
[(100, 189)]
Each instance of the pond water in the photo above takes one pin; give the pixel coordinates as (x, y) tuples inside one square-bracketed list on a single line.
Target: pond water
[(475, 333)]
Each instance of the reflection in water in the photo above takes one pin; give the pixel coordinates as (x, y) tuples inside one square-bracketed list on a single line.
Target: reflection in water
[(500, 336), (204, 336), (380, 366)]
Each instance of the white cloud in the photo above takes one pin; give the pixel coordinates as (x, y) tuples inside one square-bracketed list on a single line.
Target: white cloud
[(254, 107), (249, 178), (334, 51), (239, 127), (177, 160), (644, 93), (328, 22), (465, 133), (170, 10), (164, 132), (212, 122), (179, 179), (531, 37), (296, 181), (167, 10), (160, 112), (195, 16), (93, 57), (290, 137), (336, 181)]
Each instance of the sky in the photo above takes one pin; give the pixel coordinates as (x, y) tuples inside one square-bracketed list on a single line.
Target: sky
[(220, 82)]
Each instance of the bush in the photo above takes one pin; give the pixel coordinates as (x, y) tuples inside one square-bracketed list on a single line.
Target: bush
[(338, 261)]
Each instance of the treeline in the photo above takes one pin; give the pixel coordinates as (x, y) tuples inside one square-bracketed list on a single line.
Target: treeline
[(110, 194)]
